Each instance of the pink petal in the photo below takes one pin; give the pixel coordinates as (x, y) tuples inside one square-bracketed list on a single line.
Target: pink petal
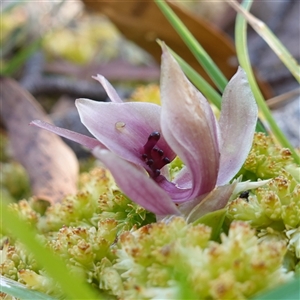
[(189, 126), (110, 91), (183, 178), (215, 200), (123, 128), (177, 194), (135, 183), (237, 125), (71, 135)]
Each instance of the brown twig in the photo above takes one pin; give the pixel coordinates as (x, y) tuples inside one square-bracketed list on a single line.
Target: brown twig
[(37, 83), (283, 99)]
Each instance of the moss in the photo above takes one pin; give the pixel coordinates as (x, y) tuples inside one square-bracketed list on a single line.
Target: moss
[(177, 259), (267, 160)]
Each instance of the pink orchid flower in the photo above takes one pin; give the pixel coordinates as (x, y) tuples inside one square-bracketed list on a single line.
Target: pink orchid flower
[(137, 141)]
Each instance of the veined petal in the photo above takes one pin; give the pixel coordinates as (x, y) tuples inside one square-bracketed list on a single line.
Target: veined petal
[(123, 128), (189, 126), (183, 178), (110, 91), (176, 193), (135, 183), (71, 135), (215, 200), (237, 124)]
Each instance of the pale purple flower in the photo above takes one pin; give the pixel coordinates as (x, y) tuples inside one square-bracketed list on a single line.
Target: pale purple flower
[(136, 141)]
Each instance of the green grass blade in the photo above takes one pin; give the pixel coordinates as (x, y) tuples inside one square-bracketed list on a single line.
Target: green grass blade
[(15, 63), (202, 85), (20, 291), (244, 61), (288, 291), (201, 55), (270, 38), (72, 286), (260, 127)]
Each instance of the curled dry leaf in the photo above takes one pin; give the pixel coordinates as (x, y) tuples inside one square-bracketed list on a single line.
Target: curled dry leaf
[(51, 165)]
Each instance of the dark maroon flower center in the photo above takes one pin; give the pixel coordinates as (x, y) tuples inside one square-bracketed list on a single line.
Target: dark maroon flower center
[(154, 156)]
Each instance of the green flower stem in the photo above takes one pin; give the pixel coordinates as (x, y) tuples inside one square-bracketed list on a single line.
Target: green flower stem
[(244, 61), (270, 38), (72, 286), (201, 55), (18, 60)]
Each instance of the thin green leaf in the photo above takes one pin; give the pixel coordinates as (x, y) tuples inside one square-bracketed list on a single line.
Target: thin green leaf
[(288, 291), (201, 55), (270, 38), (18, 290), (244, 61), (15, 63), (72, 286)]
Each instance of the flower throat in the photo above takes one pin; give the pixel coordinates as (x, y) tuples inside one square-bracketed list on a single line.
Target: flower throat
[(154, 156)]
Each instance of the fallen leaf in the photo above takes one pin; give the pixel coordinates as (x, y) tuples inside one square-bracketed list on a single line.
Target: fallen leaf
[(51, 165), (142, 22)]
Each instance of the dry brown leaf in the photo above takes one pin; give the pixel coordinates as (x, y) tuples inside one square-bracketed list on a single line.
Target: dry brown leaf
[(143, 22), (52, 167)]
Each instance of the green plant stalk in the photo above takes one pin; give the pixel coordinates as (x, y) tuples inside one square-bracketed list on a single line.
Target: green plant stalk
[(72, 286), (270, 38), (16, 62), (244, 61), (201, 55), (20, 291)]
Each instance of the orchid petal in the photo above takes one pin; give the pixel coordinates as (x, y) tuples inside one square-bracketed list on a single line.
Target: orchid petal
[(177, 194), (183, 178), (135, 183), (237, 124), (123, 128), (71, 135), (110, 91), (215, 200), (189, 125)]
